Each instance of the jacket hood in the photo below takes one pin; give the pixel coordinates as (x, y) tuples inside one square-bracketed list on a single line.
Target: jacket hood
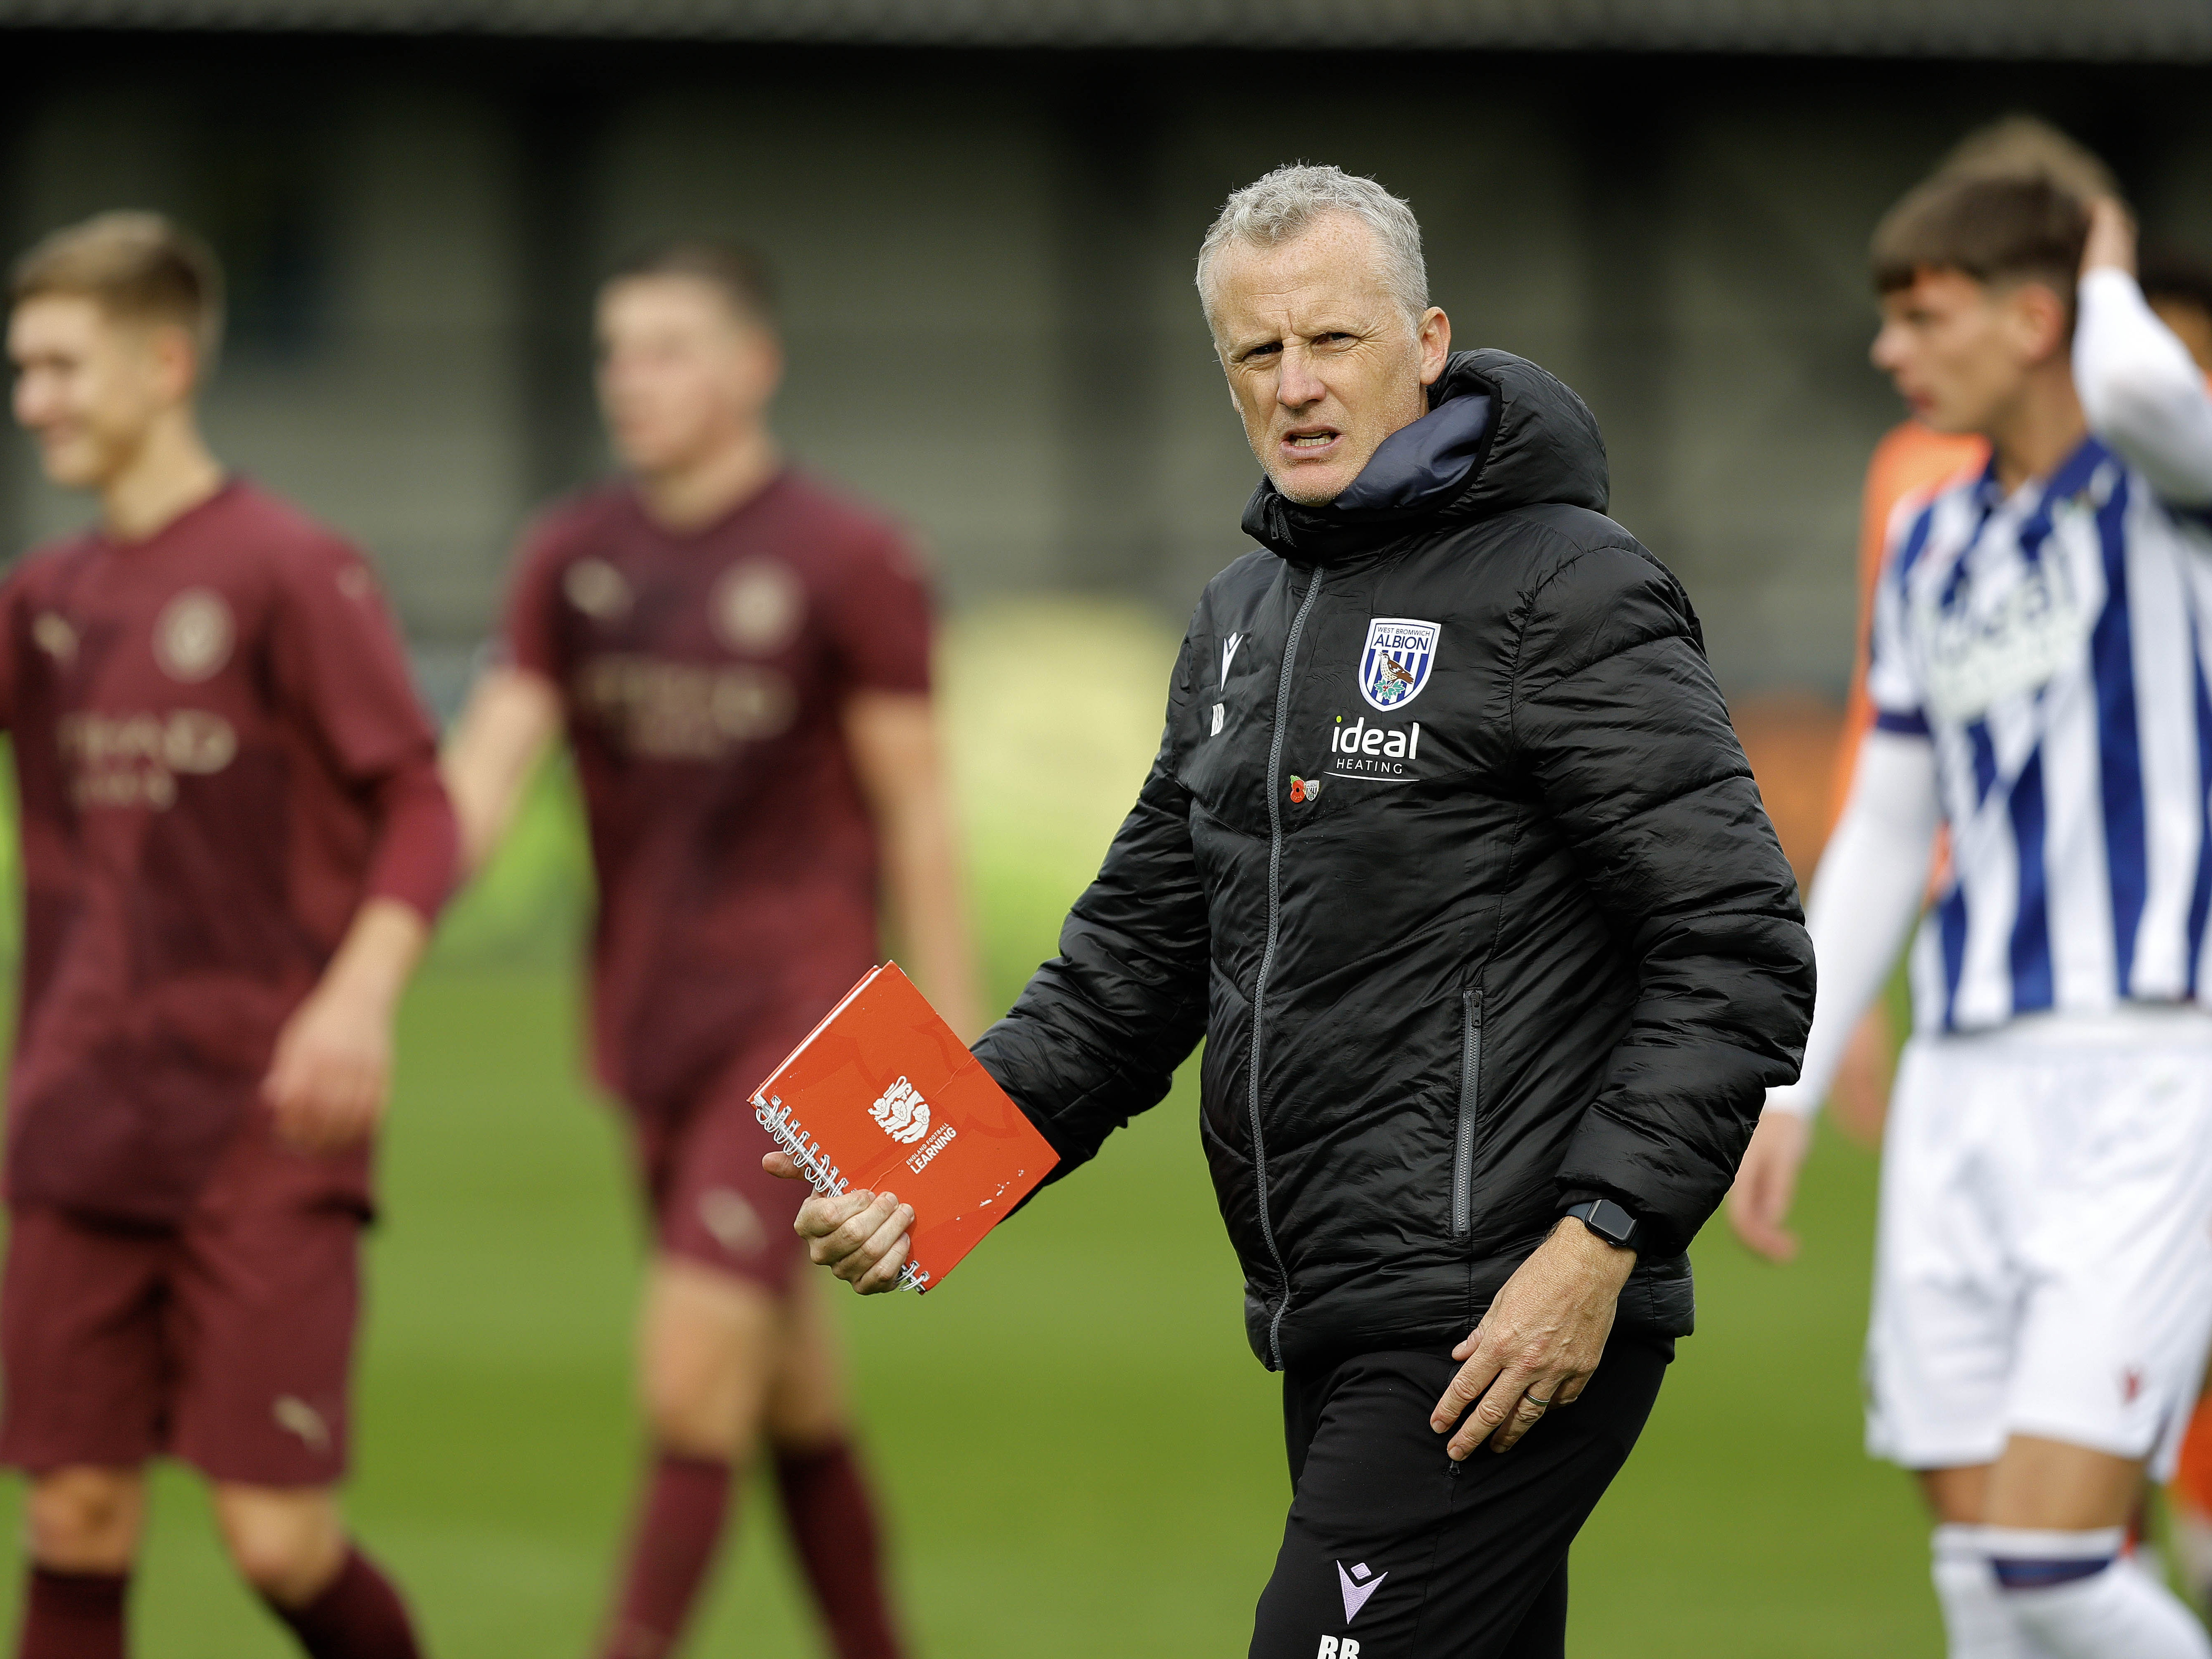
[(1500, 433)]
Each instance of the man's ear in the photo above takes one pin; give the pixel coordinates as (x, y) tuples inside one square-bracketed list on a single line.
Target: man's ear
[(1433, 333), (176, 361), (2041, 322), (768, 364)]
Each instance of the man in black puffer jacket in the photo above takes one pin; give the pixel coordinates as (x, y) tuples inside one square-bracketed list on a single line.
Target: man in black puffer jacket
[(1451, 857)]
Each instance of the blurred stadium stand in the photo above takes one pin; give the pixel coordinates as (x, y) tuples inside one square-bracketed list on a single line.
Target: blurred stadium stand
[(985, 211)]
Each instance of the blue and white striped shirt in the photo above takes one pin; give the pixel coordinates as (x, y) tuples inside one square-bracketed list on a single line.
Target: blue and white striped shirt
[(2051, 644)]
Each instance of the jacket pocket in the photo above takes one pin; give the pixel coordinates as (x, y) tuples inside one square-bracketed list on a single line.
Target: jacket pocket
[(1470, 1115)]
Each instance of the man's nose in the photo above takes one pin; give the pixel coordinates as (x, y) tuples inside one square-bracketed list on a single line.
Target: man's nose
[(1296, 383), (1884, 352)]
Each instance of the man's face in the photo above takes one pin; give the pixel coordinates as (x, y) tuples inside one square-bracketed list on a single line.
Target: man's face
[(1322, 362), (680, 371), (1960, 351), (89, 386)]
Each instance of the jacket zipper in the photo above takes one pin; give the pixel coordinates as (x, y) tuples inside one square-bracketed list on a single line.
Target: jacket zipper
[(1470, 1115), (1267, 962)]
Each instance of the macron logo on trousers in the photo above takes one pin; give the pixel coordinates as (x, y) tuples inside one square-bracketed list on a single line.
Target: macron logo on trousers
[(1358, 1585)]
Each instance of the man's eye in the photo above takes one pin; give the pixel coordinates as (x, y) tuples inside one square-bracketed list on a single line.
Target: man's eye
[(1273, 348)]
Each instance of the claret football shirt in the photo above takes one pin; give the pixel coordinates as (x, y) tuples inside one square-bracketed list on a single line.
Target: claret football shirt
[(705, 674), (220, 757)]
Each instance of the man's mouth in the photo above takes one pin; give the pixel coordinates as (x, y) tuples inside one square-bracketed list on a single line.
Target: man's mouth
[(1313, 439)]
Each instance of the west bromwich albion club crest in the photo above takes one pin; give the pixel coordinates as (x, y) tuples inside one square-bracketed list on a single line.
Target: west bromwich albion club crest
[(1396, 666)]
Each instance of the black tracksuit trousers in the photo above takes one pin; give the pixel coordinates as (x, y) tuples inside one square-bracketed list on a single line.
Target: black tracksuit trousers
[(1393, 1551)]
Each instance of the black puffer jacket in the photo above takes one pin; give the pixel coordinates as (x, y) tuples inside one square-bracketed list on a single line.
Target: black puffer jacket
[(1530, 937)]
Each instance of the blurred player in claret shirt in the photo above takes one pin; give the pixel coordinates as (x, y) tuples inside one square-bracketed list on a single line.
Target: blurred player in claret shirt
[(235, 840), (740, 660)]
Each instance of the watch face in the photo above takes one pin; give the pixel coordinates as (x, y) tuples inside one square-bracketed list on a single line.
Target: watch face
[(1608, 1220)]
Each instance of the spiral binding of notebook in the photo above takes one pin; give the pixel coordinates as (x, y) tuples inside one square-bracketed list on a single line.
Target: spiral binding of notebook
[(814, 1163)]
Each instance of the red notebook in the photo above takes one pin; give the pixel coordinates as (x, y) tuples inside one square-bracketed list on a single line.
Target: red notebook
[(882, 1095)]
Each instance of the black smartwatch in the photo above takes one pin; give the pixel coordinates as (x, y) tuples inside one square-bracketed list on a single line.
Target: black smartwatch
[(1610, 1222)]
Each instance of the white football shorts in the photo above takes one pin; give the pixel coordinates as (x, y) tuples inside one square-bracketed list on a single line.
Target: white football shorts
[(2043, 1265)]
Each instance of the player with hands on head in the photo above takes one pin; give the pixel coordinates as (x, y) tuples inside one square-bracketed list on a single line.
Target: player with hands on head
[(738, 659), (2043, 1271), (1913, 460), (234, 842), (1450, 855)]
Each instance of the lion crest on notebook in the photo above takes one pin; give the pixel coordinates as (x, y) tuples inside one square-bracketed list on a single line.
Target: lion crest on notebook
[(901, 1113)]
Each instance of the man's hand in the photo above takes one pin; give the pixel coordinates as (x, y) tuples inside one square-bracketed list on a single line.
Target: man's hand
[(1766, 1183), (1540, 1343), (2112, 237), (331, 1071), (861, 1237)]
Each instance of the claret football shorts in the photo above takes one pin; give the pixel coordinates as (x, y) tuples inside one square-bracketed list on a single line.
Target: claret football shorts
[(709, 1200), (226, 1341), (2044, 1265)]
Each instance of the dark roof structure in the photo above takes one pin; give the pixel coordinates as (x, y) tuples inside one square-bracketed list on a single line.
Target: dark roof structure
[(2107, 30)]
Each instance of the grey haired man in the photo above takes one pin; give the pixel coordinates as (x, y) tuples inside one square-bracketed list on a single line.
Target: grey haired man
[(1451, 857)]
